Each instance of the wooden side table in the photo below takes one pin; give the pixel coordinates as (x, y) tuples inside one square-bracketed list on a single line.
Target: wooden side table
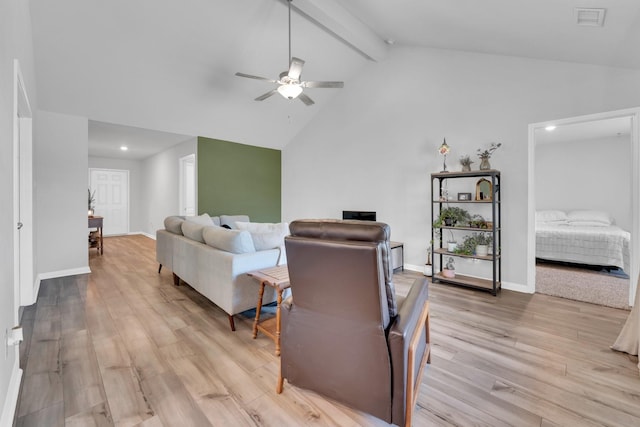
[(96, 222), (277, 278)]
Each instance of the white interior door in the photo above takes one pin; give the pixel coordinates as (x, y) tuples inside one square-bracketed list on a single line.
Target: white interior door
[(24, 286), (187, 165), (111, 199)]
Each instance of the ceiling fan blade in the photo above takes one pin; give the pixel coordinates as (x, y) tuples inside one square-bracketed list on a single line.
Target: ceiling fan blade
[(323, 84), (266, 95), (249, 76), (295, 68), (304, 98)]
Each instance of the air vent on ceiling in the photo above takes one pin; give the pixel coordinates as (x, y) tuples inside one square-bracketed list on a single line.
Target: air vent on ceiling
[(590, 17)]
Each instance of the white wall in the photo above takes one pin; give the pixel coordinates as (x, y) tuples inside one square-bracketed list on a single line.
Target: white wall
[(160, 183), (15, 43), (592, 174), (375, 146), (60, 165), (136, 189)]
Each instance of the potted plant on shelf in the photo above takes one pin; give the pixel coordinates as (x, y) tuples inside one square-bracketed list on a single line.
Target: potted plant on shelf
[(475, 244), (485, 155), (451, 217), (477, 221), (465, 161), (449, 269), (454, 216)]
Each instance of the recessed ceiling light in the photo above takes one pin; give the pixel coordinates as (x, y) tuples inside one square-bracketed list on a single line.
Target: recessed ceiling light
[(124, 148), (550, 128), (590, 17)]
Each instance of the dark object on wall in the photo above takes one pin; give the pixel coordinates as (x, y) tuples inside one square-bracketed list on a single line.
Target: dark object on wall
[(360, 215)]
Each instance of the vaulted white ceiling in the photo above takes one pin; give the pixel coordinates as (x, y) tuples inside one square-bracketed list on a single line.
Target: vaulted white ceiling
[(169, 65)]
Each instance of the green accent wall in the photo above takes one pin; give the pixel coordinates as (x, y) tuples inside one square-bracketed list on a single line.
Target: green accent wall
[(238, 179)]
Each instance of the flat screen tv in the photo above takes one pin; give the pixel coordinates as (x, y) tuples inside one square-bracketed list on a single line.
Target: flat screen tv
[(360, 215)]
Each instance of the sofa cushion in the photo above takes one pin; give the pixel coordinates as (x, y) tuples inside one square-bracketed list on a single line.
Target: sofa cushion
[(216, 220), (203, 219), (193, 230), (230, 220), (234, 241), (267, 236), (173, 224)]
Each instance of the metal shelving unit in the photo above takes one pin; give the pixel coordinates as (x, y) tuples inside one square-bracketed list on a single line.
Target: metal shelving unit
[(438, 251)]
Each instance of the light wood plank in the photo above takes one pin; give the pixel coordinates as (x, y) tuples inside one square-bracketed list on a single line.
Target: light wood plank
[(123, 346)]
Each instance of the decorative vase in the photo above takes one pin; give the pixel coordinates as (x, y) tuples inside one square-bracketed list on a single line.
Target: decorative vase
[(482, 250), (484, 164), (451, 246), (449, 273), (428, 270), (466, 168)]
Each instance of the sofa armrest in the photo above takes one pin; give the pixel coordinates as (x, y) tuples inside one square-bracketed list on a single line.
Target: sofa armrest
[(408, 346)]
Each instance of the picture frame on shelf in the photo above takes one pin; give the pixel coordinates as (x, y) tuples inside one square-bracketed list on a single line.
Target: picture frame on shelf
[(464, 196)]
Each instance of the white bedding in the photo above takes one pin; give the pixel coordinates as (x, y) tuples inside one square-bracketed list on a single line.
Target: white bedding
[(605, 246)]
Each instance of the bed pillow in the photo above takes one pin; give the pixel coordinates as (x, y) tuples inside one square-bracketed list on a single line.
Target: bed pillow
[(551, 216), (589, 217)]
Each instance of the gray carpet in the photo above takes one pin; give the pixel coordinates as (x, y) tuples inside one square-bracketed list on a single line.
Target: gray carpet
[(582, 285)]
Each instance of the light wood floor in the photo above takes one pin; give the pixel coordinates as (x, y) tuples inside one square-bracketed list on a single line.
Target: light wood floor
[(123, 346)]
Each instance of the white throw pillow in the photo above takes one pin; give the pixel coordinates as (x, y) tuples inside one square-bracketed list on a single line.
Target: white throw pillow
[(234, 241), (203, 219), (267, 236), (601, 217), (231, 220)]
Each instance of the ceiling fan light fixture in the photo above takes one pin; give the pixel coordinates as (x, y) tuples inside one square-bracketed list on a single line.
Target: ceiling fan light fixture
[(290, 90)]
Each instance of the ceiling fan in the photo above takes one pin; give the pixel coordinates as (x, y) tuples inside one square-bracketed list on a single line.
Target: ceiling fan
[(289, 84)]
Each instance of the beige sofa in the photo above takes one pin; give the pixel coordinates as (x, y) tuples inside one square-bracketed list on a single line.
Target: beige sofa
[(213, 260)]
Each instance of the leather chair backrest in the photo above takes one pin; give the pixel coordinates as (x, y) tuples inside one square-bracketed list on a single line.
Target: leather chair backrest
[(342, 243)]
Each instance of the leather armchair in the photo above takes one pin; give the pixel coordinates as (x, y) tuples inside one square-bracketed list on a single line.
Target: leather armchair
[(344, 332)]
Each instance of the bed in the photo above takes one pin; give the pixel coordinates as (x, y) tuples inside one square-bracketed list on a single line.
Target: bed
[(582, 237)]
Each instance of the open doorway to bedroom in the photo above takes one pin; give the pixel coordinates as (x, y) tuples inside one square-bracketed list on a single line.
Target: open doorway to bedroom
[(583, 198)]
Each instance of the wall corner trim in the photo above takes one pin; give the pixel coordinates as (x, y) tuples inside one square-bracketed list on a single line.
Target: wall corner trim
[(11, 401), (63, 273)]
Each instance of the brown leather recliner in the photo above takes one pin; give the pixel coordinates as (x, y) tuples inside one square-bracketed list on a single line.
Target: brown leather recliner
[(345, 334)]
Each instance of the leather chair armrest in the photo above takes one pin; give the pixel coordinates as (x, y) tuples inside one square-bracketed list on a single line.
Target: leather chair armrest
[(409, 322)]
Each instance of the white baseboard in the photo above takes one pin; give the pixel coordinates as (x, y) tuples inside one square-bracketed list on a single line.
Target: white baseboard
[(517, 287), (62, 273), (151, 236), (11, 401), (411, 267)]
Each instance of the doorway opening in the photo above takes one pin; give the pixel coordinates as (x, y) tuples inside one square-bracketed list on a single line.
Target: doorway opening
[(597, 188), (187, 186)]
